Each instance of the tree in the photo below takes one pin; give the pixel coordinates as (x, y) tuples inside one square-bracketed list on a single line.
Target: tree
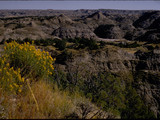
[(135, 108), (60, 44)]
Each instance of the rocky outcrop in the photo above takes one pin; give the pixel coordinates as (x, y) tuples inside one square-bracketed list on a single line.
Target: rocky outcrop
[(96, 16), (107, 60), (149, 61), (120, 61), (146, 19), (149, 90), (109, 31), (155, 24), (86, 110), (73, 32), (115, 60)]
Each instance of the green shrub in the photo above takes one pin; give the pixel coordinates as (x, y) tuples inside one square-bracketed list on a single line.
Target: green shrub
[(103, 89), (44, 42), (91, 44), (135, 108), (60, 44), (102, 44), (112, 92), (27, 40)]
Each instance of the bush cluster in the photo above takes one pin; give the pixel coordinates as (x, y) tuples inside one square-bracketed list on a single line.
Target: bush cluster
[(84, 42), (60, 44), (32, 62), (22, 61), (108, 91)]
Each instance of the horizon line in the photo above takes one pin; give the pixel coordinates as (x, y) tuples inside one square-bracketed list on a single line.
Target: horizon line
[(88, 9)]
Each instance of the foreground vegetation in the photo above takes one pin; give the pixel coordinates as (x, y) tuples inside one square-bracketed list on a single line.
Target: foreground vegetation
[(30, 87), (28, 90)]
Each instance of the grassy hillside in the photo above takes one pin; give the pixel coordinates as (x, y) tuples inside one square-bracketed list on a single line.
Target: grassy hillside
[(32, 88), (29, 91)]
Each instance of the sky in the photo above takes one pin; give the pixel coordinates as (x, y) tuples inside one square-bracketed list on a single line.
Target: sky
[(74, 5)]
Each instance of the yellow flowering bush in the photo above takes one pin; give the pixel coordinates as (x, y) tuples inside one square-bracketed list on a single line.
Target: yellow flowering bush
[(10, 79), (33, 62), (21, 61)]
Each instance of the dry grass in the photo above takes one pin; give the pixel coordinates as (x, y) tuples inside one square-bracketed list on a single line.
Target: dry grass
[(69, 44), (52, 103), (154, 45), (111, 47), (74, 51), (51, 47), (133, 50)]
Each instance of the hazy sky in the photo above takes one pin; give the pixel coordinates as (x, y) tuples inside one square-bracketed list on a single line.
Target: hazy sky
[(73, 5)]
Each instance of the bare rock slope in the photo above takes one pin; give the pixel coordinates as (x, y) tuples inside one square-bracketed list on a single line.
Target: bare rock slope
[(108, 24)]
